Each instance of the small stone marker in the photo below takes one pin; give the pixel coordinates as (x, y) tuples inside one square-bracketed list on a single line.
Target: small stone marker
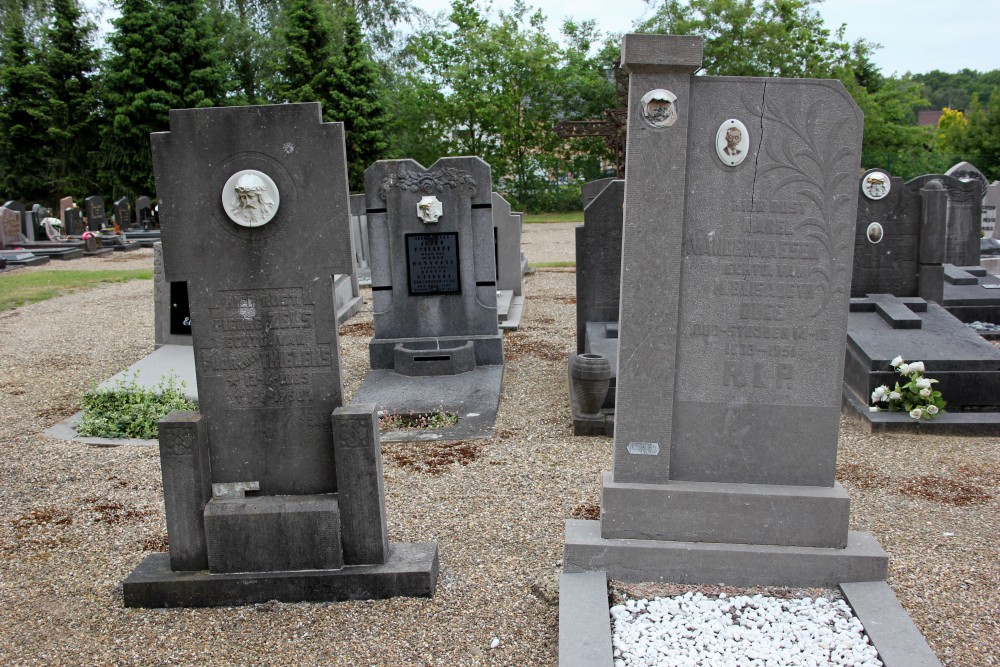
[(259, 260), (735, 282), (143, 213)]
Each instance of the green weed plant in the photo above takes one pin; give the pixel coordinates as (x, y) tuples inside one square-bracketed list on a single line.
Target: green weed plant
[(129, 410)]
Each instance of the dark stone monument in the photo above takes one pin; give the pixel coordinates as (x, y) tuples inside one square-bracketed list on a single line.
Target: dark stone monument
[(737, 242), (123, 214), (74, 221), (273, 490), (143, 213), (171, 311), (963, 217), (94, 212), (437, 343), (432, 256), (359, 232), (10, 227)]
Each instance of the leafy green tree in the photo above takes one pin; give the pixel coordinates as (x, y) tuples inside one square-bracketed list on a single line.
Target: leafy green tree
[(25, 113), (71, 60), (307, 64), (754, 38), (356, 101), (980, 144), (955, 90), (164, 56)]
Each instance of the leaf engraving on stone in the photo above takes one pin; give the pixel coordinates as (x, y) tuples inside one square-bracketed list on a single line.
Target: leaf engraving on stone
[(427, 182)]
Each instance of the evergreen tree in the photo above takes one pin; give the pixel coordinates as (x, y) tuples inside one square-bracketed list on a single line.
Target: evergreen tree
[(164, 56), (70, 59), (356, 102), (306, 67), (25, 114)]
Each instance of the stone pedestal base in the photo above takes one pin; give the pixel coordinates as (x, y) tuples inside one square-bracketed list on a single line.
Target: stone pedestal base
[(734, 564), (411, 570)]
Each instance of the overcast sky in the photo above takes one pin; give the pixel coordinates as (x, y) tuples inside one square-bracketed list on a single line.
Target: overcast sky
[(916, 35)]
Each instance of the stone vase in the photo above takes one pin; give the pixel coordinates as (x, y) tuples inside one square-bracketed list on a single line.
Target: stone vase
[(591, 377)]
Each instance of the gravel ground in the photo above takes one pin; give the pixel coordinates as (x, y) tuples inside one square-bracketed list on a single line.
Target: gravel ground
[(75, 520)]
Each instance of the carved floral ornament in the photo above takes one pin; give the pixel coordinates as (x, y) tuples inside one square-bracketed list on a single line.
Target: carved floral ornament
[(428, 182), (250, 198)]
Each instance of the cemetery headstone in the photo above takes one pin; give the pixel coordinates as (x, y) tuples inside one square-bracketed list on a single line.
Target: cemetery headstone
[(65, 203), (963, 217), (359, 232), (171, 311), (10, 227), (273, 490), (143, 213), (27, 230), (990, 203), (590, 190), (507, 232), (123, 214), (598, 258), (964, 171), (433, 274), (74, 221), (94, 212), (739, 218)]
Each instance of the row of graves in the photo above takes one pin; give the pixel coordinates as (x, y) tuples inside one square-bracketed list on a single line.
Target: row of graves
[(917, 284), (34, 236), (724, 460)]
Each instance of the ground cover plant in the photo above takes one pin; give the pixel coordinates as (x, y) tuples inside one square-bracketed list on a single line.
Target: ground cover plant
[(130, 410), (20, 288)]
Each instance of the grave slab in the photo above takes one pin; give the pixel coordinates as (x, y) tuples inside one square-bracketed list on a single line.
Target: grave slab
[(584, 620)]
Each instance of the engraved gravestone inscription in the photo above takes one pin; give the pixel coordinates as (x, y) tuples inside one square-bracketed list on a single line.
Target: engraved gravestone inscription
[(433, 264)]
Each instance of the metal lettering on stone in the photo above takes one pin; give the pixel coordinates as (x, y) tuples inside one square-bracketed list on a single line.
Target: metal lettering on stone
[(250, 198), (429, 209), (732, 142), (875, 233), (659, 108), (876, 185), (644, 448), (433, 264)]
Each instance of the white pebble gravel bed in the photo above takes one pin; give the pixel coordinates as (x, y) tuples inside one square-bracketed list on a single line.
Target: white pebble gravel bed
[(694, 630)]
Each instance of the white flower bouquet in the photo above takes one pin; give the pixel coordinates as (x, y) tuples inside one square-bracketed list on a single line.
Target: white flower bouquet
[(916, 396)]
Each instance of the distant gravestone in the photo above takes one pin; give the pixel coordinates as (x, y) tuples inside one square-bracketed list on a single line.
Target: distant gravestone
[(886, 238), (359, 232), (64, 203), (740, 205), (963, 217), (590, 190), (94, 212), (74, 221), (123, 214), (36, 216), (507, 232), (967, 172), (10, 227), (273, 490), (433, 274), (143, 213), (990, 203), (171, 311), (598, 258)]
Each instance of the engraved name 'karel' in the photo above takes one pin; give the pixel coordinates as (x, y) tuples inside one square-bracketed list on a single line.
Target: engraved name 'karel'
[(753, 247)]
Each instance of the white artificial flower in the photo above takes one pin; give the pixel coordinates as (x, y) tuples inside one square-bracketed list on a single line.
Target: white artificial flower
[(904, 369), (895, 396), (896, 362), (932, 409), (917, 366), (926, 392), (873, 408), (916, 413), (923, 383), (879, 394)]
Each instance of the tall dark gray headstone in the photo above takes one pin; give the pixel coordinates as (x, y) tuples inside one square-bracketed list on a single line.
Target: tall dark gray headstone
[(123, 214), (143, 213), (433, 273), (599, 258), (74, 221), (261, 297), (963, 220), (739, 218), (95, 214), (886, 238)]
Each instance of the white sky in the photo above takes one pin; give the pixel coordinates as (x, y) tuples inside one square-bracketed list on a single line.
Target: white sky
[(916, 35)]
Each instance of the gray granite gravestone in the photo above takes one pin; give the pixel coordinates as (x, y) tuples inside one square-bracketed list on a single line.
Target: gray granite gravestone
[(963, 217), (967, 172), (273, 490), (590, 190), (73, 221), (143, 213), (27, 231), (739, 218), (94, 212), (507, 255), (64, 203), (359, 232), (433, 274), (171, 312), (991, 200)]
